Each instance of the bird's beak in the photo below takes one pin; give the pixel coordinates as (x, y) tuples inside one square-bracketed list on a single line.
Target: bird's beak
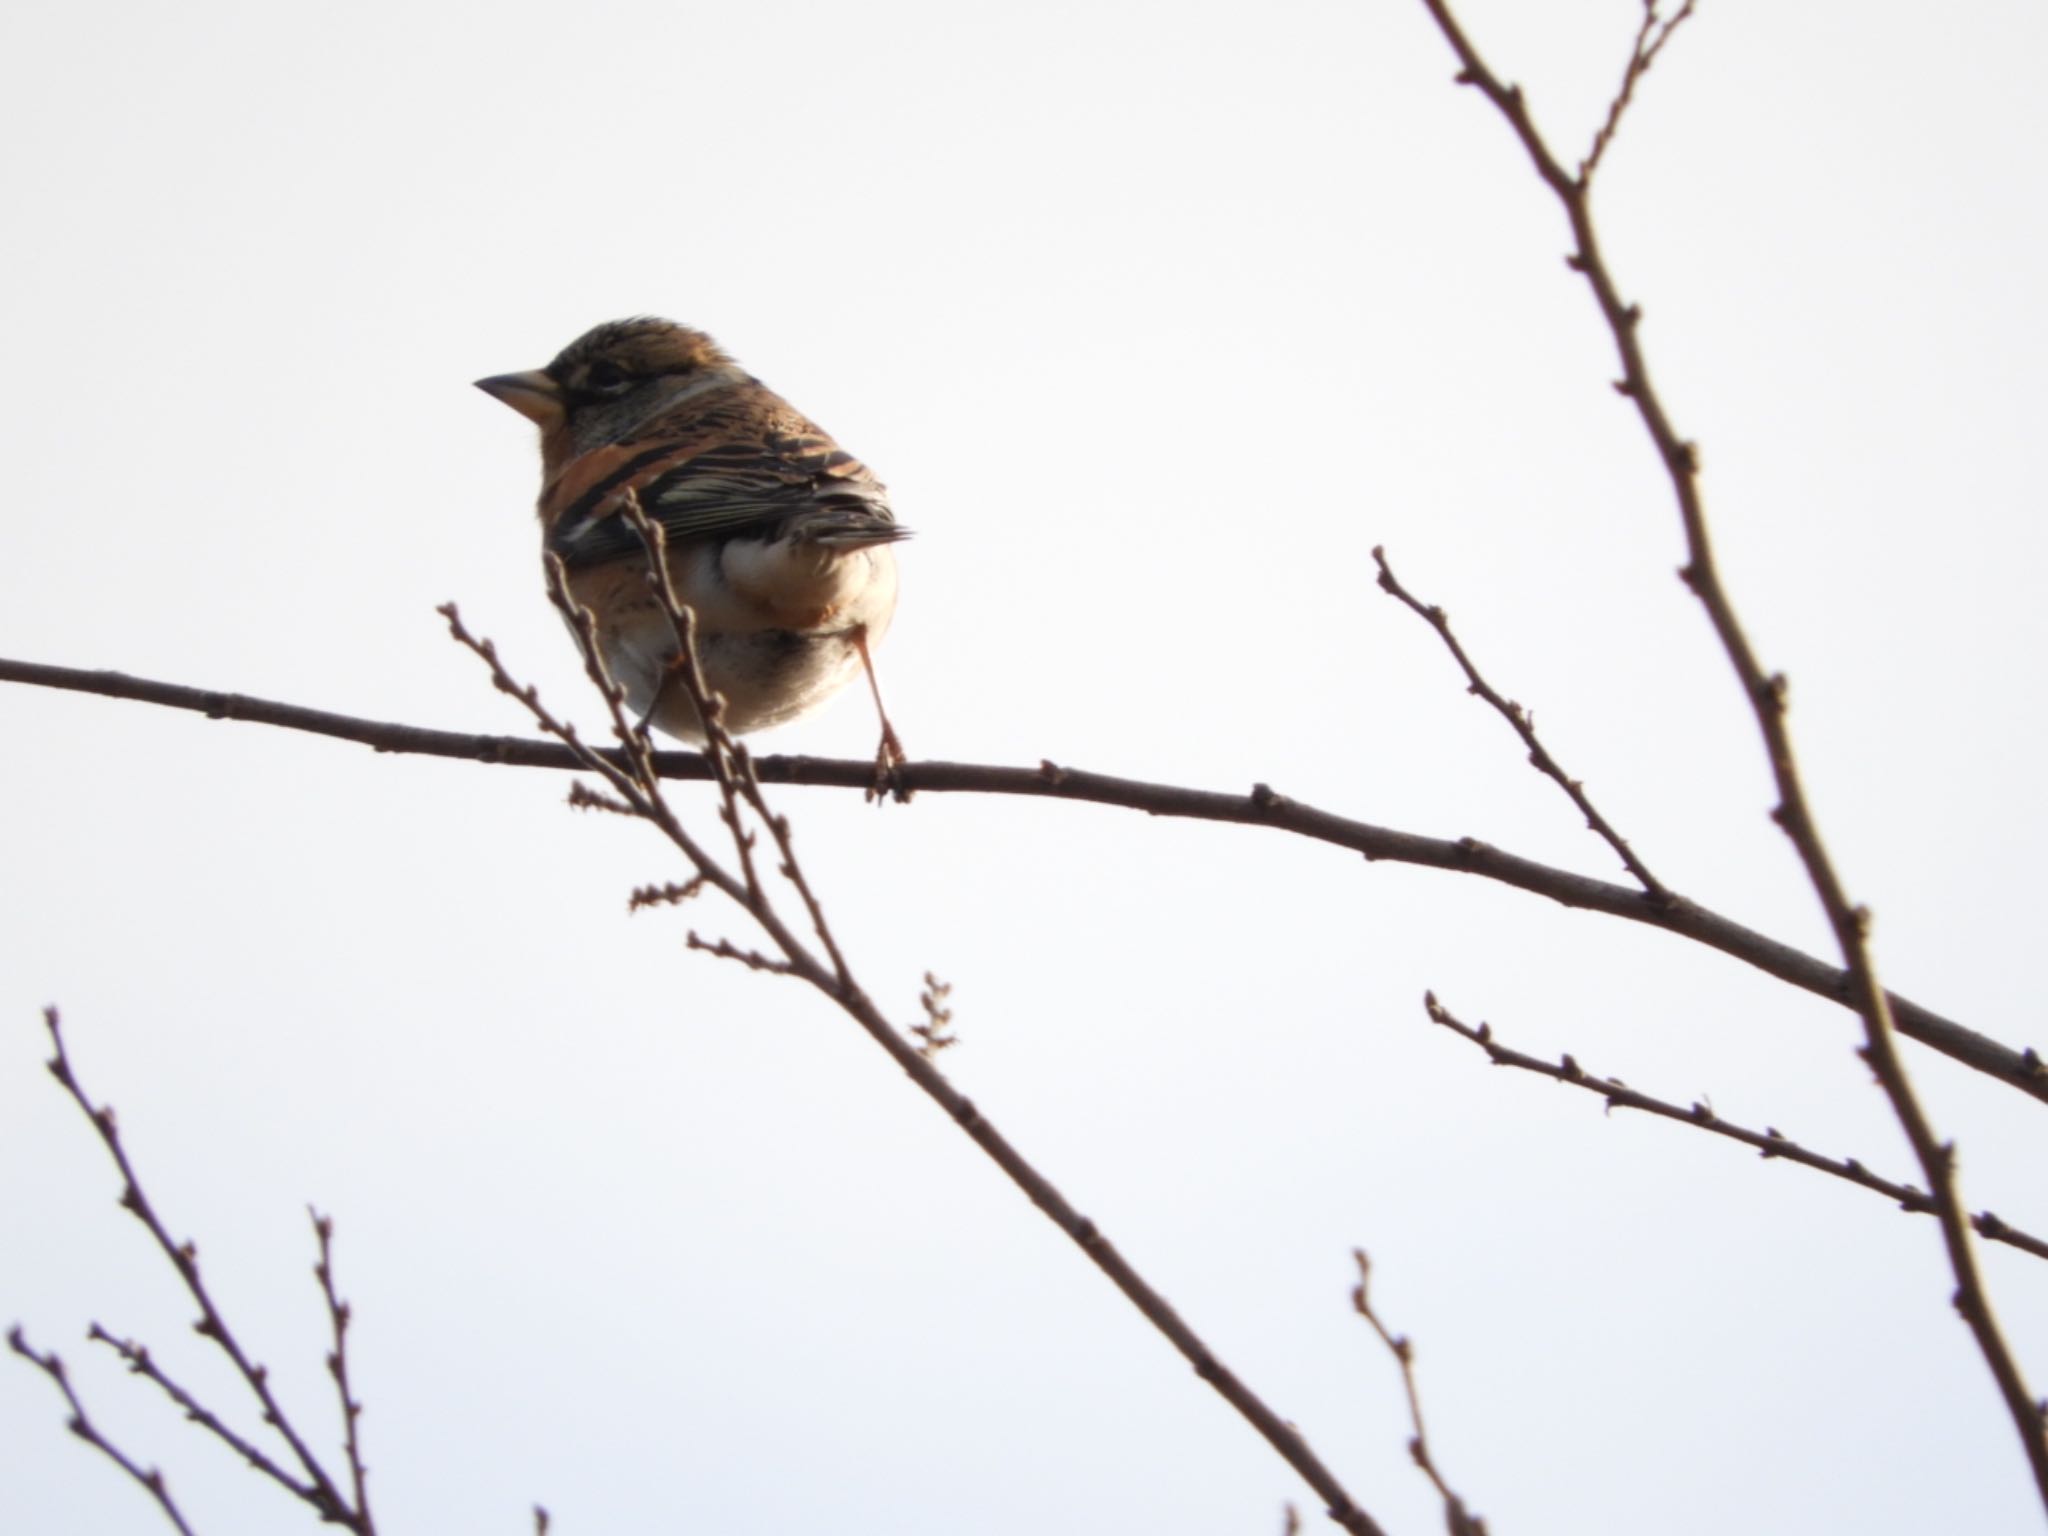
[(532, 394)]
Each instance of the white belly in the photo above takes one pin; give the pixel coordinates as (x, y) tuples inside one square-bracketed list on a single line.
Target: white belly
[(776, 628)]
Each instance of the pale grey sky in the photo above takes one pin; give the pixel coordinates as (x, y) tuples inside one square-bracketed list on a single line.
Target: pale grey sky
[(1155, 319)]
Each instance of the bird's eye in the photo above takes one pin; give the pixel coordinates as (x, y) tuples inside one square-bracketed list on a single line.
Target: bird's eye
[(606, 377)]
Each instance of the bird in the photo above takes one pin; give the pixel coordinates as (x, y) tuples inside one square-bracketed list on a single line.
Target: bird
[(778, 540)]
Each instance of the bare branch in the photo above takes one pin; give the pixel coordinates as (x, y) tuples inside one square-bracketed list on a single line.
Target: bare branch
[(338, 1315), (752, 959), (1770, 1142), (2019, 1068), (1456, 1519), (583, 798), (81, 1425), (141, 1362), (1651, 37), (318, 1489), (635, 778), (1767, 697), (667, 894), (1525, 727)]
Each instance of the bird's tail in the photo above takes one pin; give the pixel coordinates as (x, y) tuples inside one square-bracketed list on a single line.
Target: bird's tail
[(845, 528)]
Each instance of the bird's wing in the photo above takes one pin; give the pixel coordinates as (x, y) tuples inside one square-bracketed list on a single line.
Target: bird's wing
[(766, 485)]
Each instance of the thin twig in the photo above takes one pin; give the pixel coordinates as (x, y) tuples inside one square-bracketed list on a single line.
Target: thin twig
[(635, 780), (666, 894), (319, 1489), (935, 1034), (1770, 1142), (752, 959), (339, 1316), (1525, 727), (1457, 1520), (1767, 697), (2022, 1068), (141, 1362), (81, 1425), (1650, 41), (731, 762)]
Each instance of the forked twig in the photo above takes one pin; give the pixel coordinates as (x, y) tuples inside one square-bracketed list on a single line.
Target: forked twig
[(1767, 694), (634, 781), (1651, 37), (316, 1487)]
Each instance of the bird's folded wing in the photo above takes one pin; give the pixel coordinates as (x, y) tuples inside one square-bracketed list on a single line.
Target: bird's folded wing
[(697, 490)]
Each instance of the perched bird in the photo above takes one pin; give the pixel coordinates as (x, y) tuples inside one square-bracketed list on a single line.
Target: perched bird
[(778, 539)]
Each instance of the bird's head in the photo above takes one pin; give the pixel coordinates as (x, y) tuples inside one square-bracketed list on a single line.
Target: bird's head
[(608, 381)]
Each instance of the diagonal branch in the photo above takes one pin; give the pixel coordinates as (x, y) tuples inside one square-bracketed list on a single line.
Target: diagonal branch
[(1525, 727), (1767, 697), (141, 1362), (1651, 37), (634, 780), (2019, 1068), (81, 1425), (1770, 1142), (317, 1489)]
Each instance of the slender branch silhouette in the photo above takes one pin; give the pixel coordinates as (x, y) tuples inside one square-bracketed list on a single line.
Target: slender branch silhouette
[(312, 1485), (2021, 1068), (1767, 694), (1458, 1521), (141, 1362), (762, 873), (1771, 1142), (339, 1317), (634, 781), (81, 1425), (1525, 727), (1651, 37)]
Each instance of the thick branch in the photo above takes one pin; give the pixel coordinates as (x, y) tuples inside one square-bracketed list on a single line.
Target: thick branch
[(2023, 1069)]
